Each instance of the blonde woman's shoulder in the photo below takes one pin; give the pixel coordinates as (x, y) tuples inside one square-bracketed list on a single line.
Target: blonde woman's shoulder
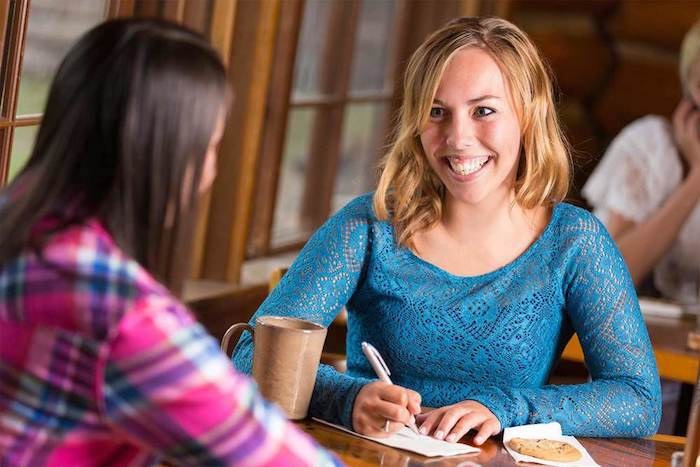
[(574, 221), (358, 206)]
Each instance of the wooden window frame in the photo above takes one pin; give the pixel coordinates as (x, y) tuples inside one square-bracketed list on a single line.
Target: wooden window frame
[(14, 23), (326, 136), (14, 16), (236, 219), (215, 18)]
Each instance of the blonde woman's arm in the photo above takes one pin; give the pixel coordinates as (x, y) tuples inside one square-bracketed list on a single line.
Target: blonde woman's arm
[(322, 279)]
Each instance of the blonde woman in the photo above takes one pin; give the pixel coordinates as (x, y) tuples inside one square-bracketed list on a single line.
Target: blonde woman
[(466, 270), (646, 189)]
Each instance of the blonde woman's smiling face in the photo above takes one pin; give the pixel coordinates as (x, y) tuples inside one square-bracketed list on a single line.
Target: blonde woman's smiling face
[(472, 137)]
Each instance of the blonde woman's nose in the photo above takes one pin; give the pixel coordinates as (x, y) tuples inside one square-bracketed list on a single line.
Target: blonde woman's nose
[(460, 134)]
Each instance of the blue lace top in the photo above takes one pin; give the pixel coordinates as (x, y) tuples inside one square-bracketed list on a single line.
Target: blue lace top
[(492, 338)]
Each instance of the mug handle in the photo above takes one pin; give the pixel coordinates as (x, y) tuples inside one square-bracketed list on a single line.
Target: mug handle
[(231, 331)]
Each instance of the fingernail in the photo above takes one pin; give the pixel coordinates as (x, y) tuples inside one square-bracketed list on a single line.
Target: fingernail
[(439, 435), (478, 440), (452, 438), (423, 430)]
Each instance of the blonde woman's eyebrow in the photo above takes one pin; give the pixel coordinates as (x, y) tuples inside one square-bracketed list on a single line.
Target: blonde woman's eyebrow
[(470, 101)]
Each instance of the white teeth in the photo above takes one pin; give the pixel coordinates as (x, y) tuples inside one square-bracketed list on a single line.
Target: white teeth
[(466, 166)]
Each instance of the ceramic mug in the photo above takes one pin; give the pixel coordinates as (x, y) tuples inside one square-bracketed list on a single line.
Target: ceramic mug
[(286, 354)]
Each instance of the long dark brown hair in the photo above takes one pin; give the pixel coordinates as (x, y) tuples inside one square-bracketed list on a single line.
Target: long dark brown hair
[(130, 112)]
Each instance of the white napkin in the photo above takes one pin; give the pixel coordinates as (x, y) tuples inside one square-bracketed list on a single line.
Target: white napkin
[(546, 431), (410, 441), (654, 307)]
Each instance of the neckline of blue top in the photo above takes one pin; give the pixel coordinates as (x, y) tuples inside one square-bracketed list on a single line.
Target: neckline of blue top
[(529, 251)]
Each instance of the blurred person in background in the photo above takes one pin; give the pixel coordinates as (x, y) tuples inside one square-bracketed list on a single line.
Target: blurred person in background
[(646, 189)]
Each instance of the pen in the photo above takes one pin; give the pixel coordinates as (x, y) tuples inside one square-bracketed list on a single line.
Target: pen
[(379, 366)]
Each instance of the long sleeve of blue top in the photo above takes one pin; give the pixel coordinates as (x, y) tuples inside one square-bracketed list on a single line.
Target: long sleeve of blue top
[(492, 338)]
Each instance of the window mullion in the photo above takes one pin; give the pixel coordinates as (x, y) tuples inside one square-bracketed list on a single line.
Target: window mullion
[(326, 135), (11, 65), (401, 38), (173, 10), (223, 14), (278, 98), (119, 8)]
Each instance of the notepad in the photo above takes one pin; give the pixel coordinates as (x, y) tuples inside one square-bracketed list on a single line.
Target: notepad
[(410, 441)]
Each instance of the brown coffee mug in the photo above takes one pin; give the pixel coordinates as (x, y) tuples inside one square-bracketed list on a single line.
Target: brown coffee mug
[(286, 355)]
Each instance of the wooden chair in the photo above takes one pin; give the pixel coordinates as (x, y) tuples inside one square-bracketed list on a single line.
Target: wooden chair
[(691, 456)]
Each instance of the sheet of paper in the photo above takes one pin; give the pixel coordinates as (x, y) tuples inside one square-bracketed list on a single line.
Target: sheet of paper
[(410, 441), (654, 307), (546, 431)]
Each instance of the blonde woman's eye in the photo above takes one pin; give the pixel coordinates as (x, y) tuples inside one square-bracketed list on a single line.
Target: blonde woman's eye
[(483, 111), (437, 112)]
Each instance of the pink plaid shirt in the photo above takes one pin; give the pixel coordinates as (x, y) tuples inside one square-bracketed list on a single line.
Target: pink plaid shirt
[(100, 365)]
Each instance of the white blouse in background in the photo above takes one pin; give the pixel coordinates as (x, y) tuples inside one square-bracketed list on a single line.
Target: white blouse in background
[(638, 172)]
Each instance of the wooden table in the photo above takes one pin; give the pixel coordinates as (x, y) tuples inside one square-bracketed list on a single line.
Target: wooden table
[(355, 451)]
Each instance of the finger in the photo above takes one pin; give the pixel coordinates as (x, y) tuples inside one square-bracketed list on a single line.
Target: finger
[(449, 420), (365, 425), (489, 428), (392, 427), (375, 424), (384, 428), (677, 113), (394, 394), (389, 411), (430, 421), (686, 108), (414, 401), (464, 424), (379, 428), (689, 119), (693, 124), (681, 113)]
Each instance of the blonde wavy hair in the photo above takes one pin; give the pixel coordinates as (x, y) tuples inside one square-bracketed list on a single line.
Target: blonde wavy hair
[(690, 48), (409, 193)]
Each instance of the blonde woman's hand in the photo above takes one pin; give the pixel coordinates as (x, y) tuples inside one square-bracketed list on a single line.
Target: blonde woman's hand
[(378, 402), (686, 132), (452, 422)]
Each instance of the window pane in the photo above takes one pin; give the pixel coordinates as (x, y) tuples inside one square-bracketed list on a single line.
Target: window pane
[(312, 41), (373, 46), (22, 144), (5, 28), (288, 225), (363, 136), (54, 25)]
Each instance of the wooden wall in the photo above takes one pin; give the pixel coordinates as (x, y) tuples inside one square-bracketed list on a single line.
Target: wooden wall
[(614, 61)]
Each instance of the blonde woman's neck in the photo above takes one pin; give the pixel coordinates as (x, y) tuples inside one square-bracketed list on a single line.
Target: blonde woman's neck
[(477, 239)]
